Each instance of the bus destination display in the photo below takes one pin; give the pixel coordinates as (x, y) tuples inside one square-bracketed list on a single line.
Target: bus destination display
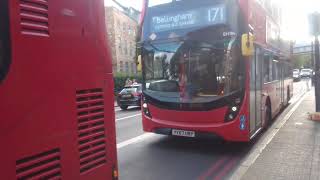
[(188, 19)]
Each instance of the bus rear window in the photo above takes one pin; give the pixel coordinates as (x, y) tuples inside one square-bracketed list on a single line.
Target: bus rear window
[(4, 39)]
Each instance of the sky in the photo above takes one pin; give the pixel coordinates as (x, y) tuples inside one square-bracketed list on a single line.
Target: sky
[(295, 16)]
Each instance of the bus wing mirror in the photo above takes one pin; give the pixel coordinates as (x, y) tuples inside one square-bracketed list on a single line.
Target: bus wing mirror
[(247, 44)]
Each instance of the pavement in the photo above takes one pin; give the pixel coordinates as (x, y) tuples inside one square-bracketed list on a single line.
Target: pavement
[(144, 156), (293, 152)]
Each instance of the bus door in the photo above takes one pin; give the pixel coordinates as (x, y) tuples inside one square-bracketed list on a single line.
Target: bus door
[(256, 91), (276, 77), (281, 75)]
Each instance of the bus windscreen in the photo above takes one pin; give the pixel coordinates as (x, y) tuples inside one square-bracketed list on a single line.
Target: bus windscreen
[(191, 51)]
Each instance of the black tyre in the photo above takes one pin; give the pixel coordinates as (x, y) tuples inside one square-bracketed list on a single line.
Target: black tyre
[(268, 118), (288, 96), (124, 107)]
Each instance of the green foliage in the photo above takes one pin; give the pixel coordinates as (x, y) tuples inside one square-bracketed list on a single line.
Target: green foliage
[(120, 80), (300, 61)]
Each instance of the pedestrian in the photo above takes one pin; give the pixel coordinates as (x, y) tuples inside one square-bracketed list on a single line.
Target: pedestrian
[(128, 82), (134, 82), (308, 81)]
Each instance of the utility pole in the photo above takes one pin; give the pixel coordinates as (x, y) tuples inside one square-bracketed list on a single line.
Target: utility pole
[(317, 73), (315, 31), (312, 62)]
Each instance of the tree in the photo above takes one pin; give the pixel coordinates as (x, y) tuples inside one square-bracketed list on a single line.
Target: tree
[(302, 61)]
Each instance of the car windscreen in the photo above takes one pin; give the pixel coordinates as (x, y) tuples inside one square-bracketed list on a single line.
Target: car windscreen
[(306, 70), (131, 89)]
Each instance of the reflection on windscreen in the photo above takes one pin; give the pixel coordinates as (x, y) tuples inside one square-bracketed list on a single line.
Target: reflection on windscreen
[(196, 72), (158, 2)]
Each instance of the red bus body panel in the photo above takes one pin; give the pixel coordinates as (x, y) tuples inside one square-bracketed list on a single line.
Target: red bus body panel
[(211, 122), (50, 125)]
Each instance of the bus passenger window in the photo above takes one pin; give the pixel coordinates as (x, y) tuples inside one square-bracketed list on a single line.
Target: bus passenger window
[(275, 71), (4, 40), (267, 69)]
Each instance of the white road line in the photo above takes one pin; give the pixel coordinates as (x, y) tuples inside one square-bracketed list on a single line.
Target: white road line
[(135, 140), (128, 117), (256, 152)]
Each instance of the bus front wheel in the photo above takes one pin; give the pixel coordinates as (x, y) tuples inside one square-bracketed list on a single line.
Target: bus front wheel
[(267, 119)]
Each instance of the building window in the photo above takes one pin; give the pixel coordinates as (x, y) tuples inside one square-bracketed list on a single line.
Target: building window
[(121, 66), (124, 27), (130, 30), (114, 69), (119, 45), (127, 67), (126, 48), (130, 49), (133, 68)]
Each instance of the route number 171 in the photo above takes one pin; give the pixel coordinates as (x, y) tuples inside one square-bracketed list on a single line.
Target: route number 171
[(216, 15)]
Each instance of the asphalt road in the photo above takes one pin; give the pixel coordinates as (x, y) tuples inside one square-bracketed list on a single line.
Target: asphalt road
[(155, 157)]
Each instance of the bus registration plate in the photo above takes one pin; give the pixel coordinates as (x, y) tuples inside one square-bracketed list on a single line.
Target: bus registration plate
[(183, 133)]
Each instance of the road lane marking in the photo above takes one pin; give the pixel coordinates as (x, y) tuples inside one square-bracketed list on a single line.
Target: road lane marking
[(135, 140), (224, 172), (256, 152), (213, 168), (128, 117)]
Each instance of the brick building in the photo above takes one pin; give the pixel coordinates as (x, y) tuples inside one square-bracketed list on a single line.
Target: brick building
[(122, 31)]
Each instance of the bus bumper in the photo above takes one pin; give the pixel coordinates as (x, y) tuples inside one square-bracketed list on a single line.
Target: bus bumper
[(230, 131)]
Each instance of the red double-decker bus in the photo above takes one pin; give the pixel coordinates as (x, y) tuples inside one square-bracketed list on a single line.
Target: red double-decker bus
[(56, 91), (213, 67)]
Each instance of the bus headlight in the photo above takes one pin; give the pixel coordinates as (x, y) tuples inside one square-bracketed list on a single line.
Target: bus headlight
[(145, 107), (233, 110)]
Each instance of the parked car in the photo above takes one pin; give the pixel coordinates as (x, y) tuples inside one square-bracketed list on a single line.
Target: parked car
[(296, 75), (306, 73), (130, 96)]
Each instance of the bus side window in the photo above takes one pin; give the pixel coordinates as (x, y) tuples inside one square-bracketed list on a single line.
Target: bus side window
[(4, 40), (275, 68), (267, 69)]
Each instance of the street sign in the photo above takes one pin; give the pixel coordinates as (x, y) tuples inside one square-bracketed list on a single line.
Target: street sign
[(314, 20)]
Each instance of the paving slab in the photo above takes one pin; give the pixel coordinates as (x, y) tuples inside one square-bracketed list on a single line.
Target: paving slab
[(294, 153)]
